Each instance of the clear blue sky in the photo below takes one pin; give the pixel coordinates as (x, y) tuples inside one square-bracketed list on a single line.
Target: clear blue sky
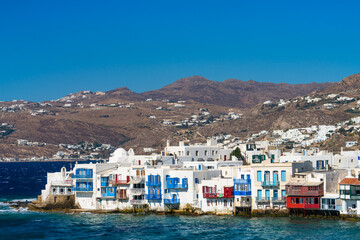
[(51, 48)]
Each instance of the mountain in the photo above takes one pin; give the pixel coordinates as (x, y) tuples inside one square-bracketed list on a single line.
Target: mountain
[(232, 92), (349, 85)]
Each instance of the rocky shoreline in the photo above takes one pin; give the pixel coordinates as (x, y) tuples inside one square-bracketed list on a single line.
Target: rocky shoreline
[(34, 206)]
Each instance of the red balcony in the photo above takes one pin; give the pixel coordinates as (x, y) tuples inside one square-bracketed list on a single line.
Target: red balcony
[(305, 190), (210, 192), (117, 181)]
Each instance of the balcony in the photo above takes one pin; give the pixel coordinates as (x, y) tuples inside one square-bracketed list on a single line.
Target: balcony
[(122, 196), (138, 202), (217, 195), (137, 191), (153, 196), (171, 201), (82, 189), (242, 181), (153, 183), (270, 184), (119, 182), (279, 199), (82, 176), (303, 191), (242, 193), (177, 186), (262, 199)]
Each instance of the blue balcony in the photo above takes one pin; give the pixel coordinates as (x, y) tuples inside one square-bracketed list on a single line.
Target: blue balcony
[(242, 193), (153, 183), (82, 176), (175, 183), (82, 189), (242, 181), (270, 183), (153, 196), (171, 201)]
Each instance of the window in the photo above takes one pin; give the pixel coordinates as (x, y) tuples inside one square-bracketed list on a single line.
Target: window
[(283, 176), (259, 194), (316, 200), (301, 200), (205, 153), (283, 193), (259, 176), (188, 153), (292, 200), (196, 153), (196, 180)]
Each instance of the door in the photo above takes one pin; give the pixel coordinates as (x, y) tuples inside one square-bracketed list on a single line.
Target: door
[(267, 194), (275, 194), (275, 176), (174, 198), (259, 194), (267, 176)]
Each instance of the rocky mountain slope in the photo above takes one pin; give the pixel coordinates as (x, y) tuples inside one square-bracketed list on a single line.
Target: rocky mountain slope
[(123, 118)]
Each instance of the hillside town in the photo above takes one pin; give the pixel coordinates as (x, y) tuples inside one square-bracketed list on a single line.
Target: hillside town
[(210, 178)]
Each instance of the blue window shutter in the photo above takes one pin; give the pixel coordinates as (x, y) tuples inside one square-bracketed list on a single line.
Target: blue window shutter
[(283, 193), (283, 176), (259, 176)]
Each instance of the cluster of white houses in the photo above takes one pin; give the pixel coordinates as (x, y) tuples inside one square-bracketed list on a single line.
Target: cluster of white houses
[(204, 177)]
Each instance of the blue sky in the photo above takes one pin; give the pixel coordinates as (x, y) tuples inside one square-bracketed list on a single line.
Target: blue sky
[(51, 48)]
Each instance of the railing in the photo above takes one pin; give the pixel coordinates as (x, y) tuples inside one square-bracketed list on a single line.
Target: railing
[(153, 183), (138, 202), (172, 201), (270, 183), (153, 196), (279, 199), (137, 178), (242, 193), (82, 189), (138, 191), (177, 186), (242, 181), (302, 192), (217, 195), (112, 195), (119, 182), (262, 199), (82, 176), (122, 197), (61, 183)]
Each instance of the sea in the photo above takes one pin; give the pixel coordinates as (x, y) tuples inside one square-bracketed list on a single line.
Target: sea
[(23, 181)]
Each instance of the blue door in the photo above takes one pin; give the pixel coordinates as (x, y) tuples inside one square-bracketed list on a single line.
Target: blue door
[(276, 176), (174, 198), (267, 194), (259, 194), (275, 194)]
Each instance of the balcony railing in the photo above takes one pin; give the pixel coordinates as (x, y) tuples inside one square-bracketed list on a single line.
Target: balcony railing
[(122, 196), (153, 183), (119, 182), (82, 176), (217, 195), (279, 199), (262, 199), (108, 195), (270, 183), (137, 191), (242, 181), (303, 192), (138, 202), (153, 196), (82, 189), (172, 201), (242, 193), (137, 178), (177, 186)]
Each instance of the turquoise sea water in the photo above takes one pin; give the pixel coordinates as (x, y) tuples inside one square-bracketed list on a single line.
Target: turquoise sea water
[(24, 224)]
